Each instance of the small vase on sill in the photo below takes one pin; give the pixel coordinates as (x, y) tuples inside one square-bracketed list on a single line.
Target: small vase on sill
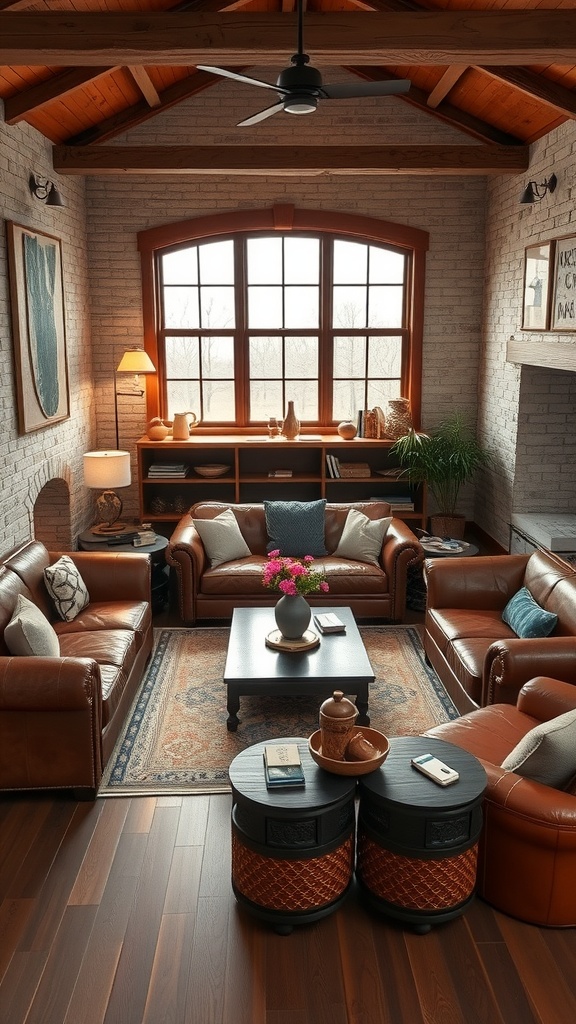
[(291, 425), (292, 614)]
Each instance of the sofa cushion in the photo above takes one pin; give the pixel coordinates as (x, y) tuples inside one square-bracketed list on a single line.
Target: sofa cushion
[(296, 528), (547, 753), (30, 633), (66, 588), (222, 538), (362, 538), (525, 616)]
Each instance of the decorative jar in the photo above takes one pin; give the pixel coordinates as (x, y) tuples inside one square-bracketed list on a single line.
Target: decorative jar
[(337, 720)]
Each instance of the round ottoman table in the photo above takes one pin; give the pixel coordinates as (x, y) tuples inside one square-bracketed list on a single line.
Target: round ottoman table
[(292, 849), (417, 840)]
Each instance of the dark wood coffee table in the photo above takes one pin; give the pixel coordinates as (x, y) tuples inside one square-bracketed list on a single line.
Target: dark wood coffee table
[(340, 662)]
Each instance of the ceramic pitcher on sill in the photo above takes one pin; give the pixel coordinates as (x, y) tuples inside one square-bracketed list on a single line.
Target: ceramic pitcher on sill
[(182, 424)]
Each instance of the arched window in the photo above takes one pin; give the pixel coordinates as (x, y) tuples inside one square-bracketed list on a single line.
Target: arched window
[(244, 312)]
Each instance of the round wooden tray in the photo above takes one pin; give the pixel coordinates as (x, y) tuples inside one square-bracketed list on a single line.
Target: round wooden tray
[(306, 642), (377, 739)]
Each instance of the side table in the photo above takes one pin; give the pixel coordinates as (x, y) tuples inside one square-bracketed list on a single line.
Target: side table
[(160, 571), (416, 589), (417, 841), (292, 849)]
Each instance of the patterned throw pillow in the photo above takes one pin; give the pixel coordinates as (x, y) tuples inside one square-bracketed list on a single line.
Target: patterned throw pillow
[(66, 588), (296, 528), (362, 538), (547, 753), (525, 616), (30, 633)]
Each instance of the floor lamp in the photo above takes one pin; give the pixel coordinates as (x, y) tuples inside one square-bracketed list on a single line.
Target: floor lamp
[(135, 361)]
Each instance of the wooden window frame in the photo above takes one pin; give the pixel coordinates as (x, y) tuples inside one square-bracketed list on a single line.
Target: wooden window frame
[(411, 242)]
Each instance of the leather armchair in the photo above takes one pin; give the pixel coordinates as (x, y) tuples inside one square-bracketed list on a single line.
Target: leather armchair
[(527, 849)]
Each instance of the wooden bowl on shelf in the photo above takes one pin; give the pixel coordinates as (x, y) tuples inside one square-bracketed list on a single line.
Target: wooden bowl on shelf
[(212, 469)]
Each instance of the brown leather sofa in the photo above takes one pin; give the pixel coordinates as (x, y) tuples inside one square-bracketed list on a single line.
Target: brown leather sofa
[(477, 656), (370, 590), (60, 716), (527, 848)]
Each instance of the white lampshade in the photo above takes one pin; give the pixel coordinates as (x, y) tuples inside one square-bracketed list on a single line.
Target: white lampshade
[(136, 361), (107, 469)]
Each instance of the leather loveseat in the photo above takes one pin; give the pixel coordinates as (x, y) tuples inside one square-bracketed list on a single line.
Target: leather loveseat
[(370, 590), (527, 848), (60, 716), (477, 656)]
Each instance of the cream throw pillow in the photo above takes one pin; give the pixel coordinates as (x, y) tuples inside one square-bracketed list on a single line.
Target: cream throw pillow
[(30, 633), (222, 538), (66, 588), (362, 538), (547, 753)]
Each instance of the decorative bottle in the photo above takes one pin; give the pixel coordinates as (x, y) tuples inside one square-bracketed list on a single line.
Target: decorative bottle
[(291, 425)]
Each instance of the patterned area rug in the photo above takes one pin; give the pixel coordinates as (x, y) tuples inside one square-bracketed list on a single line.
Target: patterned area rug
[(176, 741)]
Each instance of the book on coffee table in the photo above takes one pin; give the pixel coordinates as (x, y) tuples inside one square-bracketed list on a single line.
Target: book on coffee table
[(282, 766), (328, 622)]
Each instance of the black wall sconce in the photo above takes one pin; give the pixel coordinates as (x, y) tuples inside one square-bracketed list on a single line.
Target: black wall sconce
[(45, 191), (534, 193)]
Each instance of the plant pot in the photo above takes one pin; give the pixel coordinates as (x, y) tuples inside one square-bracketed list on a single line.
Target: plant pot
[(448, 526), (293, 614)]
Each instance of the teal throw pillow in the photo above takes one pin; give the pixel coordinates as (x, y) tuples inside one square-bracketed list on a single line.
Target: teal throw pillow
[(525, 616), (296, 528)]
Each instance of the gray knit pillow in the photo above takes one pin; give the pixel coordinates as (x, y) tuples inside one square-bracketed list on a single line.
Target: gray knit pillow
[(66, 588), (547, 753)]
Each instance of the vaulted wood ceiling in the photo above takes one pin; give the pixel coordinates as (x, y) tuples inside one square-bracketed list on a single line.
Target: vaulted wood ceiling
[(502, 72)]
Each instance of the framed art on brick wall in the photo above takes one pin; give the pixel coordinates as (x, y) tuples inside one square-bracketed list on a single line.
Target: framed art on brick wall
[(38, 327), (537, 273), (564, 301)]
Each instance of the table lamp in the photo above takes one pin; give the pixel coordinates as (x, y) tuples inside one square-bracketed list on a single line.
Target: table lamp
[(106, 470)]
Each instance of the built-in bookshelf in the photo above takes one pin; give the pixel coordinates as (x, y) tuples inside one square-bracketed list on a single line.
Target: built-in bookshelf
[(257, 468)]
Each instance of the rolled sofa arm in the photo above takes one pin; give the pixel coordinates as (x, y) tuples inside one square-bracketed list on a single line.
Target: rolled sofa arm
[(511, 663), (186, 554), (50, 724), (401, 551)]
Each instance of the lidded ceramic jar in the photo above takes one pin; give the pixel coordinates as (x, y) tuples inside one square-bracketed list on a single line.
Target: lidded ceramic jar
[(337, 720)]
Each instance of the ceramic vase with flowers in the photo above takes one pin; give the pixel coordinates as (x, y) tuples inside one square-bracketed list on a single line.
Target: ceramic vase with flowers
[(294, 578)]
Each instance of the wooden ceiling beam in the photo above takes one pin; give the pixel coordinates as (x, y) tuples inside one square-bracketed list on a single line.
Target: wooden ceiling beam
[(290, 160), (146, 86), (443, 87), (488, 37)]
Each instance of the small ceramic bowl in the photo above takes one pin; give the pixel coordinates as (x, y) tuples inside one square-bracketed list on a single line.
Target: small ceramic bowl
[(377, 739)]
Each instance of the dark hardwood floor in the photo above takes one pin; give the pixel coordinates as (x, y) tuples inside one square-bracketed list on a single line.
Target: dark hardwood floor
[(122, 912)]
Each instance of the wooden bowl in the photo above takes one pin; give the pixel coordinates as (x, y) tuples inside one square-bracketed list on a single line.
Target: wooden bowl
[(377, 739), (213, 469)]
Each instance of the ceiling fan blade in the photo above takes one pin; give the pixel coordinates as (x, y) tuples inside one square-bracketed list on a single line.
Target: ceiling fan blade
[(353, 90), (240, 78), (261, 116)]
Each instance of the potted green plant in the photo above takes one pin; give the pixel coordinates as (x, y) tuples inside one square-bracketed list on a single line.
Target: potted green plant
[(445, 459)]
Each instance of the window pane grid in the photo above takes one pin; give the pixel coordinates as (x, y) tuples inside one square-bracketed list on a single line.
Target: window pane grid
[(269, 327)]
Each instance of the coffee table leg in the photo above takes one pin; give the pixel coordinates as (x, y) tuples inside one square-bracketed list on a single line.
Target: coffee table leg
[(233, 706), (363, 716)]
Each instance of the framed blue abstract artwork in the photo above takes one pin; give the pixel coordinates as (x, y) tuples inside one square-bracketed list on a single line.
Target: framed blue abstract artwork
[(38, 327)]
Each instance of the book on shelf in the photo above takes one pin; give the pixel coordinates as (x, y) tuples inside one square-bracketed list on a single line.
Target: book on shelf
[(176, 471), (328, 622), (333, 467), (282, 766), (280, 472)]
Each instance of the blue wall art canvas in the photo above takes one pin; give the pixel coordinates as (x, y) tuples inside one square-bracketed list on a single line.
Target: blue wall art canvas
[(37, 300)]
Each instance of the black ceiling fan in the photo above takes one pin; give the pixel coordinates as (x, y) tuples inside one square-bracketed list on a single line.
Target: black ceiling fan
[(300, 86)]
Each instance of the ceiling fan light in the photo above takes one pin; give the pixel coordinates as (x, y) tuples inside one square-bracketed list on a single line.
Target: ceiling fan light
[(301, 105)]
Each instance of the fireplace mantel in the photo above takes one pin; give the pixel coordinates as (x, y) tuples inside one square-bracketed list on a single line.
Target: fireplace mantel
[(555, 355)]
